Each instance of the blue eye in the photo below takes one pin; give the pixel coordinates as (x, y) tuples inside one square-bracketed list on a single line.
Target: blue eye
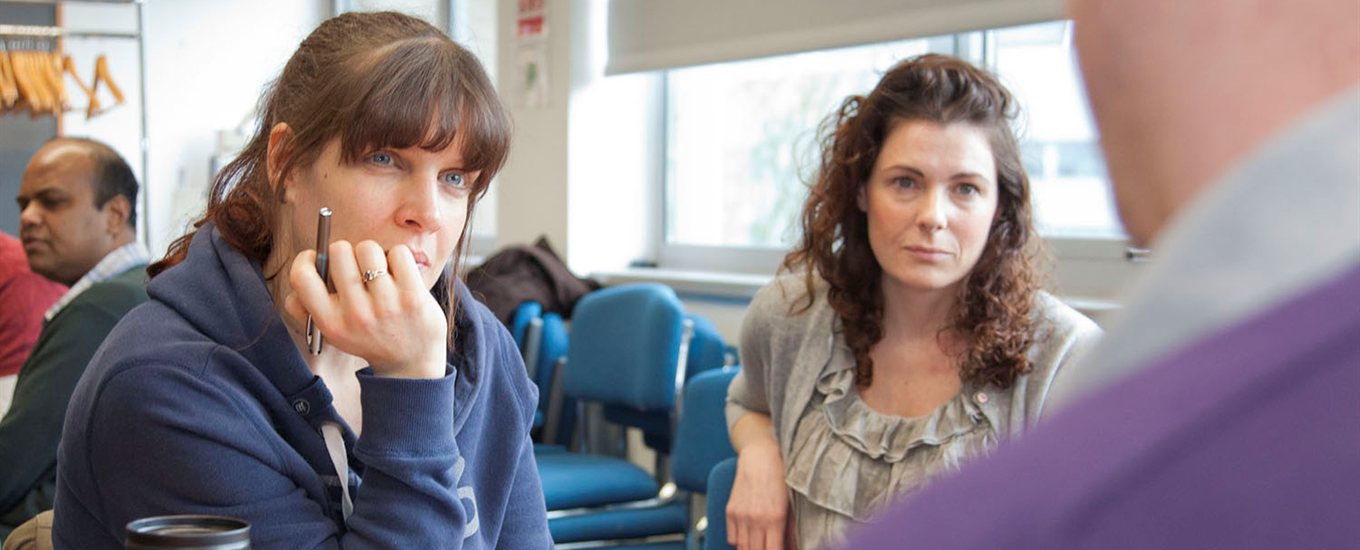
[(904, 183), (456, 179), (968, 189), (380, 158)]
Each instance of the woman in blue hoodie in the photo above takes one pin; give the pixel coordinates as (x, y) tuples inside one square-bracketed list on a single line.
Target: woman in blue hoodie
[(410, 428)]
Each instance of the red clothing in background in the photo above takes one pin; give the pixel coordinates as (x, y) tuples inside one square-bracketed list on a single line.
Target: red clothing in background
[(24, 296)]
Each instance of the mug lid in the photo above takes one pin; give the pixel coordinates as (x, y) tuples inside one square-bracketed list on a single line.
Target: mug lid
[(189, 531)]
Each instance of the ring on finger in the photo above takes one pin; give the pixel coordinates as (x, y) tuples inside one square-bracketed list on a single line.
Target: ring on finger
[(371, 274)]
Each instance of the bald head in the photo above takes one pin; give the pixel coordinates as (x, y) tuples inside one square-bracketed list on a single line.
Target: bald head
[(1183, 90), (76, 204)]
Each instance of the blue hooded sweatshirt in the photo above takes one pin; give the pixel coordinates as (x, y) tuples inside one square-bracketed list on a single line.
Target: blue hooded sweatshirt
[(200, 403)]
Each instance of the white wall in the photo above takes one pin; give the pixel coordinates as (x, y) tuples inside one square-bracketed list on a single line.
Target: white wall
[(207, 63), (578, 163), (532, 188), (580, 166)]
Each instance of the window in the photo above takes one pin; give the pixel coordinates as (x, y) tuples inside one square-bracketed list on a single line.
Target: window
[(740, 140), (1059, 143)]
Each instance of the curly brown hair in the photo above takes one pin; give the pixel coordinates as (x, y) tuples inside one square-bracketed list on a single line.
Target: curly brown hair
[(992, 314)]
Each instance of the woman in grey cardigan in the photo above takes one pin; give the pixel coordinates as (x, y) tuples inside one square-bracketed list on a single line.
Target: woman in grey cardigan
[(909, 334)]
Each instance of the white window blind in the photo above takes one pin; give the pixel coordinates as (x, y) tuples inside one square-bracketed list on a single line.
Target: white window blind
[(648, 35)]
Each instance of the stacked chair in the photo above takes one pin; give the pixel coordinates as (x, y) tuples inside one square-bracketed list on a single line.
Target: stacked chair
[(701, 442), (526, 320), (706, 351), (627, 349), (631, 349), (637, 346), (559, 418), (542, 341), (720, 481)]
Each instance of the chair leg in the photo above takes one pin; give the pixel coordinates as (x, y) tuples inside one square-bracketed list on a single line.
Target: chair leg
[(552, 421), (533, 340), (663, 469), (694, 531)]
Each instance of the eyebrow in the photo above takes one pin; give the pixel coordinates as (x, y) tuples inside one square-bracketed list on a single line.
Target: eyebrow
[(920, 174), (974, 175), (44, 193)]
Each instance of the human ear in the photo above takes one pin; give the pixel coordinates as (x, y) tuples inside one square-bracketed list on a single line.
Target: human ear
[(277, 152), (116, 211)]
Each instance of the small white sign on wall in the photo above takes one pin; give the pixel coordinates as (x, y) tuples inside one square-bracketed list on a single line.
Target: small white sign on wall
[(531, 52)]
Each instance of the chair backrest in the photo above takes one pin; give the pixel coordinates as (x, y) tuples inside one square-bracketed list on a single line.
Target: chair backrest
[(706, 351), (701, 440), (552, 346), (626, 347), (519, 321), (719, 491)]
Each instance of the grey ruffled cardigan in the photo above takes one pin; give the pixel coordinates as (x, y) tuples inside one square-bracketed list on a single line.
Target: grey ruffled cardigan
[(783, 355)]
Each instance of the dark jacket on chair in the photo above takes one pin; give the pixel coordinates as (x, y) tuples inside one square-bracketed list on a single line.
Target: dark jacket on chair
[(518, 274)]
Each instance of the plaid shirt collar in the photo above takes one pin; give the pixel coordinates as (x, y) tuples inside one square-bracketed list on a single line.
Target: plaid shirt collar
[(121, 259)]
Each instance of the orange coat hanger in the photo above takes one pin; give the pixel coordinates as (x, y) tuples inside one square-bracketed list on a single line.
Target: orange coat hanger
[(9, 90), (69, 67), (102, 74), (31, 90), (50, 65)]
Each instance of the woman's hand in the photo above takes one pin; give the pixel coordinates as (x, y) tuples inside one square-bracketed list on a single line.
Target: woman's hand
[(757, 511), (391, 321)]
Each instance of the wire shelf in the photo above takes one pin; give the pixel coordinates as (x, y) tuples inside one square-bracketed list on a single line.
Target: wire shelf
[(40, 31)]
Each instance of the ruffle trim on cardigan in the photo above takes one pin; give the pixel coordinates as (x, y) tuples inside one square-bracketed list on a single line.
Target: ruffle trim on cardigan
[(851, 460)]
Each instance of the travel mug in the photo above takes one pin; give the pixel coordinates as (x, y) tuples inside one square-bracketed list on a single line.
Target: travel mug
[(188, 532)]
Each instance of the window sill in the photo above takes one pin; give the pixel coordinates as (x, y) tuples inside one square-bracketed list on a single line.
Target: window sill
[(728, 286), (742, 287)]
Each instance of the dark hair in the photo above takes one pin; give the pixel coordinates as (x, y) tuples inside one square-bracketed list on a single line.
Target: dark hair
[(993, 310), (110, 175), (371, 80)]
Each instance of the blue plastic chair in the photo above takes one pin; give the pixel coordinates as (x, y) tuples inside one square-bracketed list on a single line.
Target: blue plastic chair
[(719, 491), (701, 442), (526, 326), (520, 320), (706, 351), (557, 420), (542, 342), (626, 350)]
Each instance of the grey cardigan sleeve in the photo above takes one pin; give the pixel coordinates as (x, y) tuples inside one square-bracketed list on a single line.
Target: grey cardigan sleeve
[(782, 351), (749, 391)]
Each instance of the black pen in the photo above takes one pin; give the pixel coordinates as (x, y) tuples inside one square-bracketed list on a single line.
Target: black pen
[(323, 265)]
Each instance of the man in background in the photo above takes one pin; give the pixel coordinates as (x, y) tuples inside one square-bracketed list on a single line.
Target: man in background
[(77, 223), (1221, 410), (25, 295)]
